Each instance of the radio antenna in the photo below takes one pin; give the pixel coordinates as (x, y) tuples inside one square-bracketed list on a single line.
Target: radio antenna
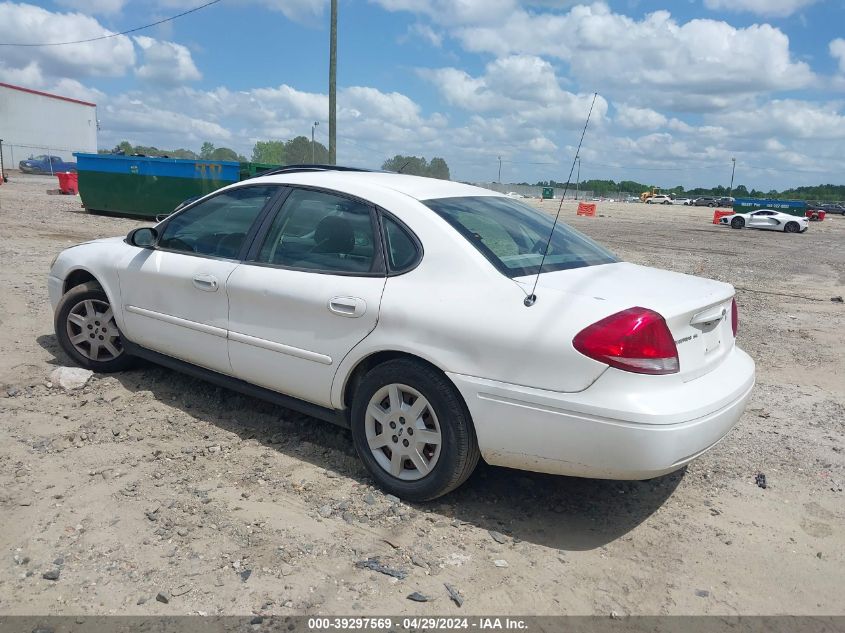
[(531, 299)]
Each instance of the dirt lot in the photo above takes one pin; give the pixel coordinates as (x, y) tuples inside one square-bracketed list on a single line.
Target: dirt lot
[(150, 482)]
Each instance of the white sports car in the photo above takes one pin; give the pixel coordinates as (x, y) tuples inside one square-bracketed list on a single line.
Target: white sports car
[(766, 219), (404, 309)]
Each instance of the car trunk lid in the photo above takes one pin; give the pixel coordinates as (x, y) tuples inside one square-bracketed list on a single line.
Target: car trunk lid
[(696, 310)]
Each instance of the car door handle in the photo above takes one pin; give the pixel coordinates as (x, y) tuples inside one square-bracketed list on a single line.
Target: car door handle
[(351, 307), (206, 282)]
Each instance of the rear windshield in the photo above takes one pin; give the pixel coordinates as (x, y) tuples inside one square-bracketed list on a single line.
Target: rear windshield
[(513, 235)]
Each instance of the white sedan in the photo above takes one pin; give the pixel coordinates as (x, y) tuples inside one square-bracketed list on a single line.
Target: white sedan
[(767, 219), (404, 308)]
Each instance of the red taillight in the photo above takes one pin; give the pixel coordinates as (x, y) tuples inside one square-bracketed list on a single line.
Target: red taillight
[(734, 317), (636, 340)]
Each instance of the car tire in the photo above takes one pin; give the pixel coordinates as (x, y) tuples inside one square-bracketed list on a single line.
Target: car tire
[(379, 429), (666, 202), (791, 227), (711, 204), (738, 223), (87, 332), (648, 201)]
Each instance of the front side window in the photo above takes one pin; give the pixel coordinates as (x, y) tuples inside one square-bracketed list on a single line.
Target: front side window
[(513, 236), (322, 232), (217, 227)]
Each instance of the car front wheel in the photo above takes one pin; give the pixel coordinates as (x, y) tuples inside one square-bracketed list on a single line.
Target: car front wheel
[(738, 223), (412, 430), (87, 332), (792, 227)]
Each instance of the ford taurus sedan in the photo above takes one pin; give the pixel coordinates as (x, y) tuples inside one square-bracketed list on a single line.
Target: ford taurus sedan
[(404, 308)]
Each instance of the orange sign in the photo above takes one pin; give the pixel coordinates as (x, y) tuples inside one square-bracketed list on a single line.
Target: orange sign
[(719, 213), (587, 209)]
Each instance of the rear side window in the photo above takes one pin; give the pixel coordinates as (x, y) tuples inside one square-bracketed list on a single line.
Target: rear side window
[(402, 253), (513, 235), (322, 232)]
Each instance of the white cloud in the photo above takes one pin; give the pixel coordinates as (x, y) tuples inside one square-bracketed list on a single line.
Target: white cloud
[(639, 118), (786, 119), (452, 12), (425, 32), (99, 7), (837, 51), (307, 11), (166, 62), (766, 8), (26, 23), (541, 144), (29, 75), (75, 90), (149, 121), (523, 86), (656, 61)]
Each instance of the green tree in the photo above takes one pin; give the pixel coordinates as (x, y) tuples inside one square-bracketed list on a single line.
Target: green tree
[(206, 150), (270, 152), (224, 153), (438, 168), (298, 151), (418, 166)]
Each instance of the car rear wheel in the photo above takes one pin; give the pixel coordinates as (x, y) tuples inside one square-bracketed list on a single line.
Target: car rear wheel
[(87, 332), (666, 202), (412, 430), (737, 223), (791, 227)]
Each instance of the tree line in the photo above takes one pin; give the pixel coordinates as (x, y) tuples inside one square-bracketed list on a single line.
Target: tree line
[(296, 151), (609, 187)]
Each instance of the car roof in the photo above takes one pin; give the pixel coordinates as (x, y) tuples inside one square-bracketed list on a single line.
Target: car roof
[(360, 182)]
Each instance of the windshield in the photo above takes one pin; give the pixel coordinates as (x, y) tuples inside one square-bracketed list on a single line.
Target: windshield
[(513, 235)]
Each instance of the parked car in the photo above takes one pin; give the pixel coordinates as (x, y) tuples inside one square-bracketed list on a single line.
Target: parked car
[(683, 201), (45, 165), (832, 208), (405, 309), (659, 199), (706, 201), (767, 219), (725, 201)]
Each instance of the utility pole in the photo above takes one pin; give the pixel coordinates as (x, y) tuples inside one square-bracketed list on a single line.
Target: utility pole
[(313, 153), (578, 181), (500, 171), (333, 87), (733, 171)]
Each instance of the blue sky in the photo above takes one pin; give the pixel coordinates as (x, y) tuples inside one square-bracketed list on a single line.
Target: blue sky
[(683, 86)]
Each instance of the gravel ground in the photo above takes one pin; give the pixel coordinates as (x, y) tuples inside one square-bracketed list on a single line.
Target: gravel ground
[(149, 492)]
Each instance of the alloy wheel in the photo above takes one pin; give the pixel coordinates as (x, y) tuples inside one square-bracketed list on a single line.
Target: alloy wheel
[(93, 332)]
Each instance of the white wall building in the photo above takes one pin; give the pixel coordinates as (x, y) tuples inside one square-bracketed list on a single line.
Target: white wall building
[(34, 122)]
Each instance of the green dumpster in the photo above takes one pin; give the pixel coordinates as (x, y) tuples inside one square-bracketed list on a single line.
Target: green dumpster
[(251, 170), (145, 187), (548, 193)]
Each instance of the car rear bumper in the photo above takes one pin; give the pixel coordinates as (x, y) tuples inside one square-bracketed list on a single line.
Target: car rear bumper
[(624, 426)]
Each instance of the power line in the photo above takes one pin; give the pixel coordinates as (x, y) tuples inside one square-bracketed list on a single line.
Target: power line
[(105, 37)]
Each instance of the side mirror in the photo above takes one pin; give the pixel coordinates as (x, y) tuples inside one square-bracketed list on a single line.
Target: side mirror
[(145, 237)]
